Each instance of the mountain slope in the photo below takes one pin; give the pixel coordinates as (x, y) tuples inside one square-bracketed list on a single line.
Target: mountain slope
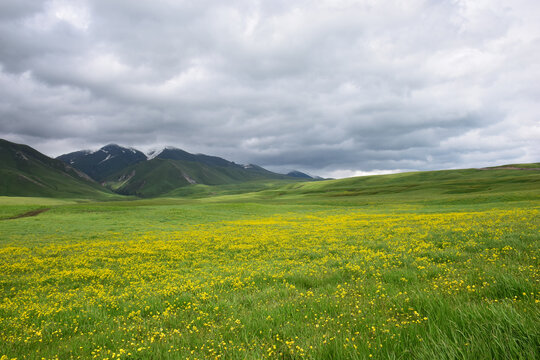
[(25, 171), (159, 176), (104, 162), (173, 153), (299, 174), (236, 171)]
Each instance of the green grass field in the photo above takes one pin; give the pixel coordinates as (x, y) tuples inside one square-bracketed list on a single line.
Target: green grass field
[(432, 265)]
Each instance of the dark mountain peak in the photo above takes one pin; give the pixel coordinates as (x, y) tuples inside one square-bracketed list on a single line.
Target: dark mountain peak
[(167, 152), (103, 162), (299, 174), (115, 148), (111, 148), (173, 153), (253, 167)]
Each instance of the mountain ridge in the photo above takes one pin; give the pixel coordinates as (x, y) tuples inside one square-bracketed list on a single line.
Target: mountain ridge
[(103, 162), (129, 171), (159, 176), (24, 171)]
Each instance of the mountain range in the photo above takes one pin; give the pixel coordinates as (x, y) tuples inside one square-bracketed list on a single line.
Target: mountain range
[(123, 170), (103, 162)]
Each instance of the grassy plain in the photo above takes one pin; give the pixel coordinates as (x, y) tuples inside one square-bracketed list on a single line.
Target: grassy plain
[(438, 265)]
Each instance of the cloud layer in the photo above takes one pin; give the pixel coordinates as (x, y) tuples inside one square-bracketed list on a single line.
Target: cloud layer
[(333, 87)]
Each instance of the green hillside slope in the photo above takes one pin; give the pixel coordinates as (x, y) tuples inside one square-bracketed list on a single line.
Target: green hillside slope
[(461, 187), (25, 171), (160, 176)]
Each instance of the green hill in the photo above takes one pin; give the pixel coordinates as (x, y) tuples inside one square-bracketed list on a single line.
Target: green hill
[(159, 176), (459, 187), (25, 171)]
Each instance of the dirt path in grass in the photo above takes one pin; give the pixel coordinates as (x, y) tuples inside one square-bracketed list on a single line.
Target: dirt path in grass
[(28, 214)]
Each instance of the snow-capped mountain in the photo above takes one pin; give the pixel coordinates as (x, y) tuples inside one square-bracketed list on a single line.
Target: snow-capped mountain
[(101, 163)]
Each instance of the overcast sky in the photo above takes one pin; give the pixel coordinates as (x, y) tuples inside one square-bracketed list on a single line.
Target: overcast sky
[(334, 88)]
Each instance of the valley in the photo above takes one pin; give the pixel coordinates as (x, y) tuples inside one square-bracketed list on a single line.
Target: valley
[(419, 265)]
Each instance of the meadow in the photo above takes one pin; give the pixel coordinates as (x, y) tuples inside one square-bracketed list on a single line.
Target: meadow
[(329, 270)]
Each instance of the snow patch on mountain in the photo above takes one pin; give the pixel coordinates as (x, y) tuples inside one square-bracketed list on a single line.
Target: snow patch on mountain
[(153, 153), (107, 158)]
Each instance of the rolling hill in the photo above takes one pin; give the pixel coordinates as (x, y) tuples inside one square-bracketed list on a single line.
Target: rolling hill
[(465, 186), (25, 171)]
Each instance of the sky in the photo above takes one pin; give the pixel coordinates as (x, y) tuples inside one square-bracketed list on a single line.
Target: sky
[(333, 88)]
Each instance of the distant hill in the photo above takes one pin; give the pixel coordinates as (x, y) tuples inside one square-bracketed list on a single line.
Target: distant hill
[(464, 187), (517, 182), (530, 166), (25, 171), (299, 174), (102, 163)]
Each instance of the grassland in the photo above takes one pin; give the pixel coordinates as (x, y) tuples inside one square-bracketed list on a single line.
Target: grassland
[(438, 265)]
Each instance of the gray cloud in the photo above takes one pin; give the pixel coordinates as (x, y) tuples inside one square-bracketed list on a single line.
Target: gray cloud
[(333, 88)]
